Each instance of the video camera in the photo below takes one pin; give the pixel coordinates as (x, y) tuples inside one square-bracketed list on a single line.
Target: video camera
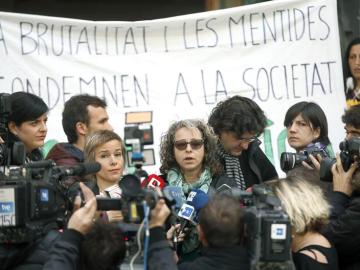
[(289, 161), (267, 228), (349, 153), (32, 196), (133, 198)]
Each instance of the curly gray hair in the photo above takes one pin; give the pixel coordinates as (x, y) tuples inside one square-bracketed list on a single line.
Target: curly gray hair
[(167, 154)]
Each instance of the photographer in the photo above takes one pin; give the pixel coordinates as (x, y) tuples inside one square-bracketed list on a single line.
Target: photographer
[(343, 229), (307, 128), (27, 123), (221, 233)]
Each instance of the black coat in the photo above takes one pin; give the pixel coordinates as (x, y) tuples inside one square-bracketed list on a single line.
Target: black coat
[(161, 256), (344, 229), (255, 166), (229, 258)]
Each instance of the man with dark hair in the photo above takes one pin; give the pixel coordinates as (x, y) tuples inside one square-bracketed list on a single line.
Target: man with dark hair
[(103, 247), (343, 229), (82, 115), (238, 121), (220, 232)]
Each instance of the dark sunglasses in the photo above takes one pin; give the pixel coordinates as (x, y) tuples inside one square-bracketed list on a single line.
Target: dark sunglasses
[(182, 144)]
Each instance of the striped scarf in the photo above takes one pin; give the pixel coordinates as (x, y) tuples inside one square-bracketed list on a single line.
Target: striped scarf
[(233, 168)]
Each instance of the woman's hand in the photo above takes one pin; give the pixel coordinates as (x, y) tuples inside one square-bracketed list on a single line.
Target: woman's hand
[(315, 161)]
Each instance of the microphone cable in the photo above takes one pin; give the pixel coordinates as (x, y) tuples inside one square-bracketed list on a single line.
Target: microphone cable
[(147, 233)]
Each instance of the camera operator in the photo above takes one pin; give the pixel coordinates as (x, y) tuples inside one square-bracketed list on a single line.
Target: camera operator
[(221, 233), (27, 123), (83, 245), (307, 128), (343, 229)]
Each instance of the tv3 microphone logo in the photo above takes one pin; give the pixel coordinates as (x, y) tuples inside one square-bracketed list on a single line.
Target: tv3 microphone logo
[(6, 207)]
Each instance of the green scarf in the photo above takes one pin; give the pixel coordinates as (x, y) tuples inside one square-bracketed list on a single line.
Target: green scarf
[(176, 178)]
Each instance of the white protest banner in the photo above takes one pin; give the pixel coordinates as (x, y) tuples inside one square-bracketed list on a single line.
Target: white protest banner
[(276, 53)]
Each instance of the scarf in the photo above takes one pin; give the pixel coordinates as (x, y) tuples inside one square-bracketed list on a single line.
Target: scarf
[(233, 168), (176, 178)]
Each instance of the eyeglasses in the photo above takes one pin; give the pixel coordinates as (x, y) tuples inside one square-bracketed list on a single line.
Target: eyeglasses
[(247, 140), (182, 144)]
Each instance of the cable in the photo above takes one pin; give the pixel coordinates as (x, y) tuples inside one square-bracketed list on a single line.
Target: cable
[(138, 244), (147, 233)]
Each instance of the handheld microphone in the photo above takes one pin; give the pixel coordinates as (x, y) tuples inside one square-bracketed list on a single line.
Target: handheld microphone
[(189, 212), (198, 199), (80, 169), (153, 181), (174, 196)]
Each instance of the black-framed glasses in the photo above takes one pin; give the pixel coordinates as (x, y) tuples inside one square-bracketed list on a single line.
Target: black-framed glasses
[(194, 143), (248, 140)]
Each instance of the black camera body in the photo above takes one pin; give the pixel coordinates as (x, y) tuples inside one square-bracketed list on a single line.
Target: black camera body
[(289, 161), (133, 199), (28, 201), (349, 153), (267, 229)]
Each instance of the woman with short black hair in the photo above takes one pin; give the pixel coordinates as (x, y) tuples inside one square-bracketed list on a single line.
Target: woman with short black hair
[(27, 123)]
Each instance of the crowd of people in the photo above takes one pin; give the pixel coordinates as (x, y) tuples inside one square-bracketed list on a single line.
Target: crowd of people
[(198, 155)]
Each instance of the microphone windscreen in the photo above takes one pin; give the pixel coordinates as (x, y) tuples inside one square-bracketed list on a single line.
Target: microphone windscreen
[(42, 164), (83, 169), (174, 194), (198, 199)]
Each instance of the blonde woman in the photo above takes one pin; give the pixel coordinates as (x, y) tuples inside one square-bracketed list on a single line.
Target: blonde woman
[(308, 211), (107, 148)]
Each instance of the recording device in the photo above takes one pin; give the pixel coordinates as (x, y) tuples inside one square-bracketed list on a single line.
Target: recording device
[(189, 212), (133, 198), (32, 196), (349, 153), (289, 160), (267, 228)]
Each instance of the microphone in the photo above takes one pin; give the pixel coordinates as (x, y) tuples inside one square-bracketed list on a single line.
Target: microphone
[(42, 164), (79, 169), (83, 169), (153, 181), (174, 196), (198, 199), (189, 212)]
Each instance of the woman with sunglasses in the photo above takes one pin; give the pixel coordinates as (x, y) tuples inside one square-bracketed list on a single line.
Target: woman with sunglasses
[(188, 160)]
